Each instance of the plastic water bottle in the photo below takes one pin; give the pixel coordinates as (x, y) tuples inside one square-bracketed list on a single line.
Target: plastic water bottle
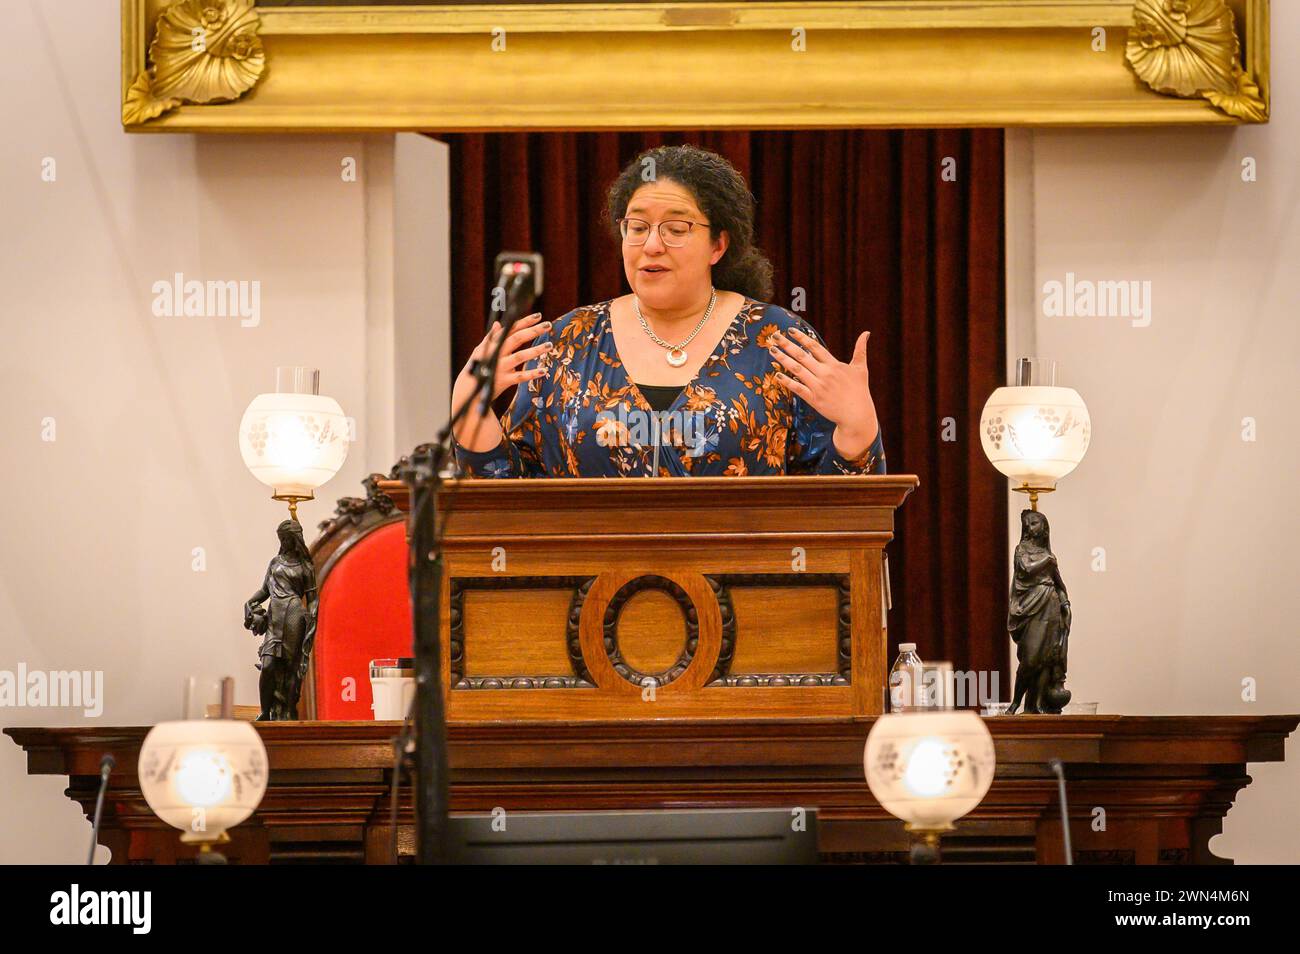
[(905, 680)]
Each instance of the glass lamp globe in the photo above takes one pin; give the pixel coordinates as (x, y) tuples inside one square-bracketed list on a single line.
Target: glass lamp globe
[(203, 776), (929, 768), (1034, 432), (295, 439)]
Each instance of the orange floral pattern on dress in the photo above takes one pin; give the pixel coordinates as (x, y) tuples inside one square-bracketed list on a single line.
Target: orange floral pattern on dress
[(584, 417)]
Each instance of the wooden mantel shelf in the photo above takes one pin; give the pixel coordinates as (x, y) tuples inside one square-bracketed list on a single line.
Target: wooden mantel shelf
[(1166, 782)]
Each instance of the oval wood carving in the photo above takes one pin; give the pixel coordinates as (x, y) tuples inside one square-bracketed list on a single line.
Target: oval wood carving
[(597, 642)]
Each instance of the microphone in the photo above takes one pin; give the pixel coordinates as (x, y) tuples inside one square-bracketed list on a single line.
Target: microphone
[(519, 283), (1059, 769), (106, 766)]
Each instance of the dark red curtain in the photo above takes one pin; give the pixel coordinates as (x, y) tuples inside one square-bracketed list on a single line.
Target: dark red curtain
[(896, 232)]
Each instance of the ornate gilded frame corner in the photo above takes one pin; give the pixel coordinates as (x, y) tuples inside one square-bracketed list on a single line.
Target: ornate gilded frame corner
[(199, 52), (1190, 48), (742, 65)]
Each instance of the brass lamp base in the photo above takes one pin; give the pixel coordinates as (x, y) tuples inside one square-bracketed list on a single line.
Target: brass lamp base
[(293, 500), (1033, 493), (205, 841), (925, 843)]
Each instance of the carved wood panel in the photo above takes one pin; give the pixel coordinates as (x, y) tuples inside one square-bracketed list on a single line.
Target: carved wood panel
[(609, 612)]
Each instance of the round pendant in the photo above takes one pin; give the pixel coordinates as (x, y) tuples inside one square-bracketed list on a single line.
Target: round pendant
[(676, 357)]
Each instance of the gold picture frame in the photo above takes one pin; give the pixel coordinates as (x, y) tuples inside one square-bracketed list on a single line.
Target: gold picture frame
[(227, 66)]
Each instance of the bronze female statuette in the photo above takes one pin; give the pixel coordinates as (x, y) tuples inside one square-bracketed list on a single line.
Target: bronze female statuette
[(1038, 619), (287, 624)]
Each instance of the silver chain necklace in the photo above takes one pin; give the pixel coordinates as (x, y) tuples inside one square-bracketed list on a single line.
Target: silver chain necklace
[(676, 355)]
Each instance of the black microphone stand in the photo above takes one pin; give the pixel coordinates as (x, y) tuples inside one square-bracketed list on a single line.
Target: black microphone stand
[(422, 474), (106, 766)]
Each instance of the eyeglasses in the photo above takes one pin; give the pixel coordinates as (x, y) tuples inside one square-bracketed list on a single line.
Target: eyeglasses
[(674, 232)]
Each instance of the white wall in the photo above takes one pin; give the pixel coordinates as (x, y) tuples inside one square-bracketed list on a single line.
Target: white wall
[(408, 293), (100, 524), (1200, 527), (422, 372)]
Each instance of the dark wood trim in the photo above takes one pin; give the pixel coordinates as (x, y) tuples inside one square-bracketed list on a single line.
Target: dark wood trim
[(707, 493), (1166, 782)]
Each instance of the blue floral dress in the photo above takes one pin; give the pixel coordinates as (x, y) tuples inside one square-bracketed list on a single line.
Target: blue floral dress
[(586, 418)]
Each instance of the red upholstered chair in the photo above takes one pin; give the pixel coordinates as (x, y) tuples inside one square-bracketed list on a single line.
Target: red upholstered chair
[(364, 613)]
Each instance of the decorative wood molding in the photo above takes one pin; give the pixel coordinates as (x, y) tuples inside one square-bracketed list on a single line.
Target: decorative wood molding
[(892, 857), (457, 587), (1105, 857), (573, 633), (521, 682), (756, 64), (354, 510), (581, 678), (846, 506), (652, 581), (843, 635), (353, 518), (1173, 779)]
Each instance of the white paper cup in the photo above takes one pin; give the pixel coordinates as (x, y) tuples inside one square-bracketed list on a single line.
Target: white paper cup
[(392, 684)]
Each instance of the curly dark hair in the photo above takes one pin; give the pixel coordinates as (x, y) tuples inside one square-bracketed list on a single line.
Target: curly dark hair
[(722, 195)]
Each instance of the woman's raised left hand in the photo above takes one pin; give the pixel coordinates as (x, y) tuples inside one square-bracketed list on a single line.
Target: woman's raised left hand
[(839, 391)]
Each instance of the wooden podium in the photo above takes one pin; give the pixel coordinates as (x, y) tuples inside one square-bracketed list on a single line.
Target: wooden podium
[(755, 605), (713, 598)]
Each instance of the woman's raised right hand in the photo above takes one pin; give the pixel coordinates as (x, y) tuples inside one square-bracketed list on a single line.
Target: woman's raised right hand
[(477, 432), (514, 356)]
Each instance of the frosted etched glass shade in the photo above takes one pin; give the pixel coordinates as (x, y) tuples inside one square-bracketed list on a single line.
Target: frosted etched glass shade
[(293, 440), (203, 776), (1035, 435), (929, 768)]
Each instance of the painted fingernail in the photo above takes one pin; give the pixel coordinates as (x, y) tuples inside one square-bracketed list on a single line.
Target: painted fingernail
[(774, 349)]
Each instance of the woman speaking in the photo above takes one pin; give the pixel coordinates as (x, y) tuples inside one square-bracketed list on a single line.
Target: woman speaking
[(692, 374)]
